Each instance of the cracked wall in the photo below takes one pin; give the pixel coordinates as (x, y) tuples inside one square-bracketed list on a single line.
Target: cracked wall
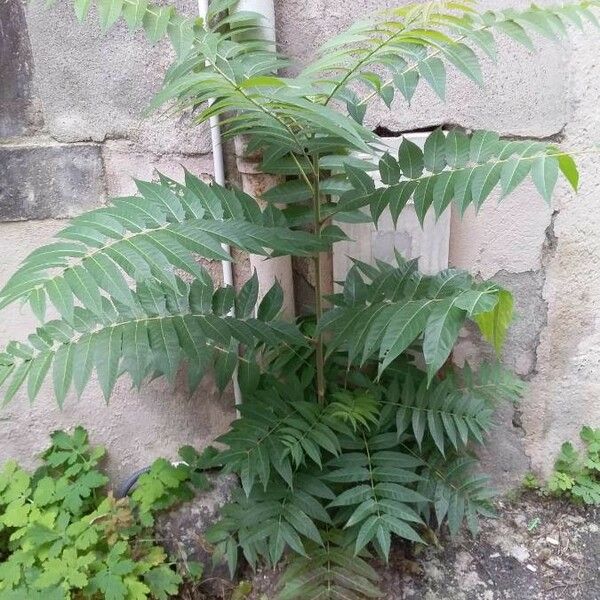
[(550, 258), (547, 255), (72, 113), (565, 389)]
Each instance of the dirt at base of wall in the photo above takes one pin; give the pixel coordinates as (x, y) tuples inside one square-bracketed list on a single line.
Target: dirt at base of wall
[(537, 549)]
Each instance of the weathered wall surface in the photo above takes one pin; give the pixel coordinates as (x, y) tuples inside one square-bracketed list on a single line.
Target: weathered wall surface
[(538, 108), (566, 383), (72, 113), (548, 256), (72, 133)]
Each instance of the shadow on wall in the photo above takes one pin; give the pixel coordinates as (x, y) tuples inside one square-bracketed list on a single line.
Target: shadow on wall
[(17, 113)]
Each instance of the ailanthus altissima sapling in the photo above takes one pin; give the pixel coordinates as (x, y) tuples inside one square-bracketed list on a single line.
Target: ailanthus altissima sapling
[(354, 428)]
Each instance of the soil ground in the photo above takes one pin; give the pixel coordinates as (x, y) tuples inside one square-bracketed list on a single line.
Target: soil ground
[(537, 549)]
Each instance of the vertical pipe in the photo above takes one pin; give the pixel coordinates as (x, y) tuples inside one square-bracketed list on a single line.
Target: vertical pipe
[(267, 270), (266, 8), (256, 183)]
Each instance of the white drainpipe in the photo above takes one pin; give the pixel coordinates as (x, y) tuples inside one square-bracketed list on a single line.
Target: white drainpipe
[(255, 183), (266, 8)]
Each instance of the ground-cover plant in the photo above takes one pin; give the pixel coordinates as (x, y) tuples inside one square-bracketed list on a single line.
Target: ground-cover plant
[(355, 424), (576, 474), (63, 536)]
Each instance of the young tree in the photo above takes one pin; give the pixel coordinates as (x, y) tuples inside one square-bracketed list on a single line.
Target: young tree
[(355, 425)]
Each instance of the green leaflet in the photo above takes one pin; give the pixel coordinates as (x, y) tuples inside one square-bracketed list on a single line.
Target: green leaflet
[(461, 169), (485, 180), (410, 159), (151, 336), (494, 324), (181, 34), (62, 372), (156, 22), (247, 298), (407, 83), (82, 8), (484, 145), (441, 332), (434, 72), (423, 197), (37, 373), (434, 151), (569, 169), (108, 11), (544, 173), (61, 296), (223, 300), (516, 32), (288, 192), (107, 357), (133, 12), (389, 169), (477, 301), (513, 173), (225, 364), (465, 60), (271, 304)]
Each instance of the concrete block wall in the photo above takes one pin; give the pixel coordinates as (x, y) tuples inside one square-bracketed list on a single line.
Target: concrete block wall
[(548, 256), (73, 132), (73, 92)]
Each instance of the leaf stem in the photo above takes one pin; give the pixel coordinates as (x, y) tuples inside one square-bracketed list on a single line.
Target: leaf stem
[(319, 354)]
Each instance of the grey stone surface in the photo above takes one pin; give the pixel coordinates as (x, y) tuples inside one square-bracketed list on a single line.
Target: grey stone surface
[(137, 427), (42, 180), (502, 236), (564, 394), (531, 310), (504, 457), (95, 86), (524, 94), (181, 532), (16, 103), (125, 161)]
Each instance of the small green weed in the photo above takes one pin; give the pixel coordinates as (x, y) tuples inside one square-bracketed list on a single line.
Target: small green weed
[(531, 482), (62, 536), (577, 474)]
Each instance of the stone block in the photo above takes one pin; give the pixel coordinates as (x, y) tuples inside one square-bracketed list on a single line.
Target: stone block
[(504, 455), (96, 85), (506, 236), (124, 162), (181, 532), (524, 94), (519, 353), (563, 395), (41, 179)]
